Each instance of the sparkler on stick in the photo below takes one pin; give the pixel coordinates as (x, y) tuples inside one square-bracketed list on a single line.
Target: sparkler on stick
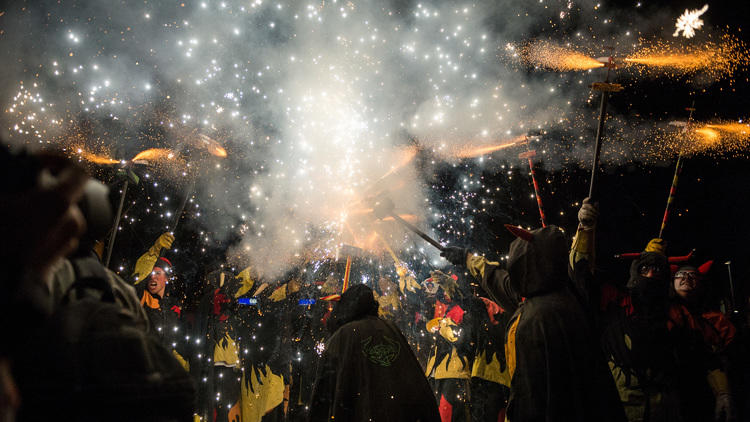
[(529, 154), (384, 207)]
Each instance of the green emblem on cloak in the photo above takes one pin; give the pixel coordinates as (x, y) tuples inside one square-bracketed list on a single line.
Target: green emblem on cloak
[(383, 354)]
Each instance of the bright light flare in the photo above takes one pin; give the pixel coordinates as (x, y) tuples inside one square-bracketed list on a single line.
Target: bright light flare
[(551, 56), (213, 147), (715, 59), (689, 21), (95, 158), (154, 154)]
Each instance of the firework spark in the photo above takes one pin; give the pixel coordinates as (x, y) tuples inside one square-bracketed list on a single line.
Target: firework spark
[(470, 151), (714, 59), (689, 22), (94, 158), (154, 154), (551, 56)]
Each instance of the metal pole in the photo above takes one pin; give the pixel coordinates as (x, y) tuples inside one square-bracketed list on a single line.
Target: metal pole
[(598, 146), (731, 285), (420, 233), (112, 236)]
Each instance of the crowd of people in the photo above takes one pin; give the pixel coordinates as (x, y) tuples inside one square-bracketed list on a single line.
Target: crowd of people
[(540, 337)]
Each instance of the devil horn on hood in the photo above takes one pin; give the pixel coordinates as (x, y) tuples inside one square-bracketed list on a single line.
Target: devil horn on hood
[(520, 233), (703, 269)]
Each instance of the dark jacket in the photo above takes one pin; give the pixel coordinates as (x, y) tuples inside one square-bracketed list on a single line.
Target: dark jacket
[(368, 371), (557, 371)]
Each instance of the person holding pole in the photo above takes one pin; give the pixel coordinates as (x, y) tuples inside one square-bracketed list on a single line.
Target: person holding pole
[(553, 358)]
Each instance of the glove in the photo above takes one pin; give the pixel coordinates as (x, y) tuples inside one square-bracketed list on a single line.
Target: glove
[(656, 245), (455, 255), (145, 264), (246, 282), (724, 410), (588, 215), (164, 241), (408, 282)]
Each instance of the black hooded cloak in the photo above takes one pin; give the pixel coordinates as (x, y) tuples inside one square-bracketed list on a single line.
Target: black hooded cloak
[(557, 371), (368, 371)]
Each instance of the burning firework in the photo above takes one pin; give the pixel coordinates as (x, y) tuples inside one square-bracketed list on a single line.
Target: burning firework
[(712, 138), (94, 158), (470, 151), (713, 59), (551, 56)]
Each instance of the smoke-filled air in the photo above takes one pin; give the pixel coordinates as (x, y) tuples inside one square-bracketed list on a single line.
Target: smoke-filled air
[(287, 121)]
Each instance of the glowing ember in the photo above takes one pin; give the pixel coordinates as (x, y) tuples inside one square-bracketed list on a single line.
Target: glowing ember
[(212, 146), (95, 158), (708, 135), (154, 154), (474, 151), (551, 56)]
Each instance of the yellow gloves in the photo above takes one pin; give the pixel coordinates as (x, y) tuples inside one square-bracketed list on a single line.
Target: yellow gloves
[(444, 326), (656, 245), (246, 281), (145, 263)]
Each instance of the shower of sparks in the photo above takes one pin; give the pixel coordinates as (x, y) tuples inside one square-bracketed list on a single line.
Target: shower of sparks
[(94, 158), (689, 22), (714, 139), (551, 56), (713, 59), (154, 154), (476, 151), (317, 106)]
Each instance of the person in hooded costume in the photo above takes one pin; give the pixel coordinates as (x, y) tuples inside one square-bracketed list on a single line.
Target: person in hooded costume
[(703, 338), (555, 367), (367, 371)]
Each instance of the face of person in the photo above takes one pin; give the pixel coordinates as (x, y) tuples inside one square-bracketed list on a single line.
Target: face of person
[(157, 282), (685, 283), (649, 271)]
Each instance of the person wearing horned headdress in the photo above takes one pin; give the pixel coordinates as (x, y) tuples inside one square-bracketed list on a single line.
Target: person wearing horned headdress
[(152, 275), (554, 363)]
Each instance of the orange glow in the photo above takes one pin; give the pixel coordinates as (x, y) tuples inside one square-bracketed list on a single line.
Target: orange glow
[(408, 217), (404, 157), (218, 151), (709, 135), (734, 128), (94, 158), (154, 154), (473, 151), (714, 59), (360, 211), (212, 146), (551, 56), (685, 62)]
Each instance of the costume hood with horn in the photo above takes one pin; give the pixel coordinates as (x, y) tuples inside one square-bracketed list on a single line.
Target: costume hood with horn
[(553, 357)]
